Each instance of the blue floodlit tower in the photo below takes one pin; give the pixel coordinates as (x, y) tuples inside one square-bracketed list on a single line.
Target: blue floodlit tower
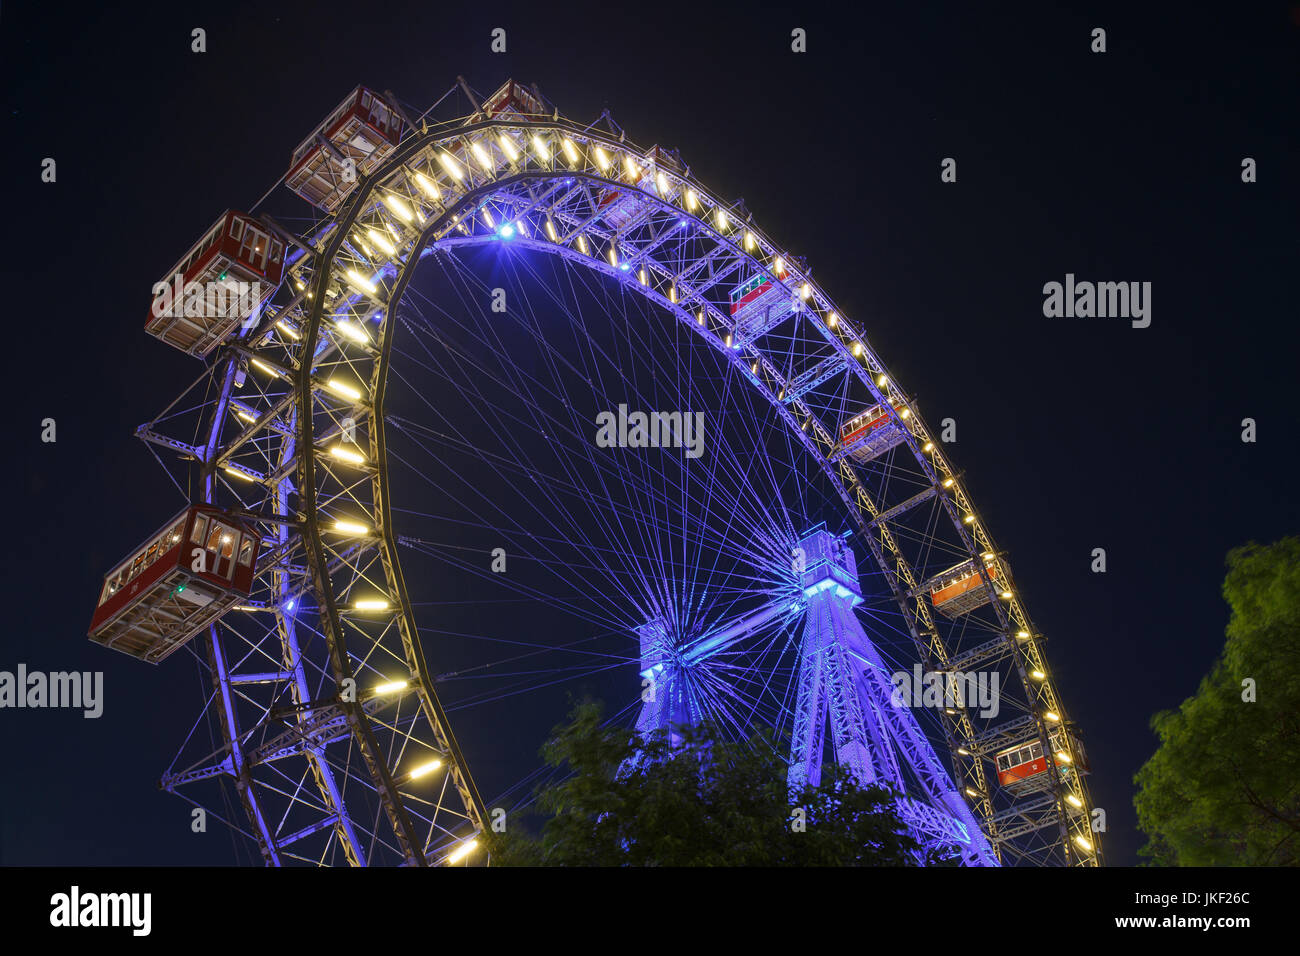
[(843, 686)]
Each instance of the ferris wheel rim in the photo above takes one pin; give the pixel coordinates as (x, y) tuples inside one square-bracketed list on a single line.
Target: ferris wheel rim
[(427, 244), (353, 208)]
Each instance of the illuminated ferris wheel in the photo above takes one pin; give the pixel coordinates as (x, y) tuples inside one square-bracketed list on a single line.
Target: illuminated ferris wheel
[(513, 408)]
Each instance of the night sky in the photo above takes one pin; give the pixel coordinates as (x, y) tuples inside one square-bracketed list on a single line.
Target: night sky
[(1073, 433)]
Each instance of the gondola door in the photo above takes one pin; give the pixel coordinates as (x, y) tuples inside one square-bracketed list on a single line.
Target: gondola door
[(254, 248), (220, 544)]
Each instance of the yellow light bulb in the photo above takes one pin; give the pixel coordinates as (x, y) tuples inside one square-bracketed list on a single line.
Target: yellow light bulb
[(481, 155), (426, 184), (452, 167), (398, 207)]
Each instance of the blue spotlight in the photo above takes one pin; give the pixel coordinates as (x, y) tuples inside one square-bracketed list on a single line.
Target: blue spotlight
[(507, 231)]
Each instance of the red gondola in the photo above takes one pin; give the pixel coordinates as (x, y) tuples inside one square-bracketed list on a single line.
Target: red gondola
[(354, 139), (872, 432), (1023, 768), (220, 282), (758, 304), (184, 577), (961, 589), (753, 294), (513, 98), (866, 422)]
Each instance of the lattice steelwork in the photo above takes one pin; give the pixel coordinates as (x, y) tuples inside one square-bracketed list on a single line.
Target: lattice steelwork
[(329, 722)]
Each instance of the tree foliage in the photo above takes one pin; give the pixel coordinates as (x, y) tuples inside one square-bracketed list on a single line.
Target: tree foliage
[(1224, 786), (703, 801)]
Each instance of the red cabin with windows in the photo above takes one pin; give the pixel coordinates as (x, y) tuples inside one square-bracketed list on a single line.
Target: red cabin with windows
[(513, 97), (872, 432), (217, 285), (752, 292), (960, 589), (184, 577), (759, 304), (866, 422), (1023, 768), (354, 139)]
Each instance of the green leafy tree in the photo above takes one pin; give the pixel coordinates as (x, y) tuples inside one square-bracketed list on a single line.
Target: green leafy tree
[(1224, 786), (702, 801)]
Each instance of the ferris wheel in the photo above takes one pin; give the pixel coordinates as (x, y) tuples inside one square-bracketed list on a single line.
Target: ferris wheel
[(514, 408)]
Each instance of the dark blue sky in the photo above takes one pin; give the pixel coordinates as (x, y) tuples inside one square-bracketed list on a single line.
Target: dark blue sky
[(1074, 433)]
